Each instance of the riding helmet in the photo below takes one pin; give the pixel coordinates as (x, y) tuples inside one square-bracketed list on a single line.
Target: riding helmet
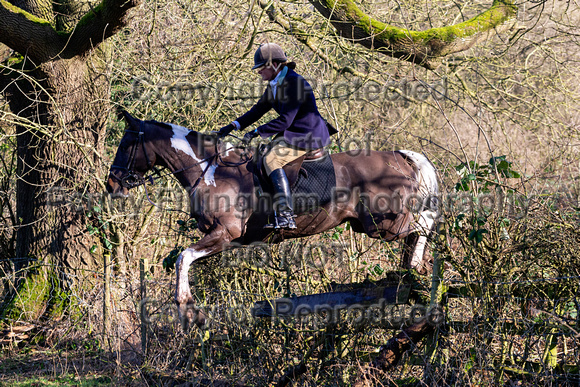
[(268, 53)]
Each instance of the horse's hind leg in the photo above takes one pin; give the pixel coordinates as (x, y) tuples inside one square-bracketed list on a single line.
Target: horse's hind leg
[(408, 248), (414, 253), (209, 245), (415, 244)]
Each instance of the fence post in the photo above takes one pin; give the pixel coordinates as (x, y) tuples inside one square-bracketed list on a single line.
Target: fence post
[(437, 288), (550, 357), (143, 264), (437, 293), (107, 297)]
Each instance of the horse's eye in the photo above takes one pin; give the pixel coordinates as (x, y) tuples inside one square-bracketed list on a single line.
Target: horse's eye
[(124, 147)]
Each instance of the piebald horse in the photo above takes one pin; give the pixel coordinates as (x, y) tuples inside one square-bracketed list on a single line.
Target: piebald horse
[(386, 195)]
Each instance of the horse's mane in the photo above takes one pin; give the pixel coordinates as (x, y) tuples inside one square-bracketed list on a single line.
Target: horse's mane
[(162, 124), (165, 125)]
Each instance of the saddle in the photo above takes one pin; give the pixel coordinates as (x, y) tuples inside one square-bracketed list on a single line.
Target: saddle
[(311, 174)]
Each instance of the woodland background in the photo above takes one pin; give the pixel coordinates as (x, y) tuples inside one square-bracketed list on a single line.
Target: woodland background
[(500, 121)]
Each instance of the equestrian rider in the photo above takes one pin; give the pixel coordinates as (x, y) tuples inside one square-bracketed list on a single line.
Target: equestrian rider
[(298, 129)]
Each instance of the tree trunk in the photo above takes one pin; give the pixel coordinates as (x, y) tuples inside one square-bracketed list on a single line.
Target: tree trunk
[(61, 101), (56, 160), (57, 149)]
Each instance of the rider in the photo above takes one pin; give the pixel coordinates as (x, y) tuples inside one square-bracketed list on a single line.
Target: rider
[(298, 128)]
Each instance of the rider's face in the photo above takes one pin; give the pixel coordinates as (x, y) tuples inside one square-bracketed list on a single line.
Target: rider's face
[(268, 73)]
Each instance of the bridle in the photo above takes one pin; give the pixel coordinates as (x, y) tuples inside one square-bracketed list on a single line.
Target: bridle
[(133, 179)]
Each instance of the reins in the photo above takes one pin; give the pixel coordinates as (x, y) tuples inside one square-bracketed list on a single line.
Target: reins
[(133, 179), (191, 191)]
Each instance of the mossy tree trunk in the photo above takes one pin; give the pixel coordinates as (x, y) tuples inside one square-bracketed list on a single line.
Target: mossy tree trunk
[(425, 48), (56, 87)]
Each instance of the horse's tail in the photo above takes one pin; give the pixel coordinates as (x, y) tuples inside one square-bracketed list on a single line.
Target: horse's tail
[(427, 214)]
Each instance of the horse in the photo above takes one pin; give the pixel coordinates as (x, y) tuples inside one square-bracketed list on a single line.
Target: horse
[(389, 195)]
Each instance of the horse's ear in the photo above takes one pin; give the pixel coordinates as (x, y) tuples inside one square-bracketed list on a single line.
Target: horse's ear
[(122, 114)]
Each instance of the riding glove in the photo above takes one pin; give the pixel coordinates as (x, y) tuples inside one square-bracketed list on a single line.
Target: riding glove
[(226, 130), (249, 136)]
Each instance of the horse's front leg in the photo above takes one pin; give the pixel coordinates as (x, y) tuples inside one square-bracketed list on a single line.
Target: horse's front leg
[(209, 245)]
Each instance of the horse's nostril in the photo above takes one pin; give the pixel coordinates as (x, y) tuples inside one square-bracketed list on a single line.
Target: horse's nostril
[(109, 185), (115, 189), (119, 195)]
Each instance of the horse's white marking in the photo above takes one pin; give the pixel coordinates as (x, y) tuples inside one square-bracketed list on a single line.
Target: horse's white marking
[(179, 142), (209, 175), (186, 258), (429, 189), (228, 147), (426, 174)]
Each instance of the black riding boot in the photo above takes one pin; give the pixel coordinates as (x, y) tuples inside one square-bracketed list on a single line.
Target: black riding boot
[(283, 213)]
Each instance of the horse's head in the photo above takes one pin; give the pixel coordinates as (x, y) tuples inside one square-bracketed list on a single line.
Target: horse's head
[(147, 143), (132, 160)]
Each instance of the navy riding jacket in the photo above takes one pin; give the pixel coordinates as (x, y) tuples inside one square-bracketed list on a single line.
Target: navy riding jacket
[(299, 119)]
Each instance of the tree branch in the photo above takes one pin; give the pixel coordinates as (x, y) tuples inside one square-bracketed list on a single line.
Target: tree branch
[(26, 33), (98, 24), (37, 39), (424, 48), (307, 39)]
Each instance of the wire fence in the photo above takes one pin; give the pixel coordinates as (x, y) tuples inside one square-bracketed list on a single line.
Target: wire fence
[(491, 335)]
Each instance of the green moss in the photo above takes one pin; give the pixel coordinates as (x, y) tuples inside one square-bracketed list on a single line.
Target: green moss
[(500, 11), (15, 59), (63, 34), (30, 301), (497, 14), (87, 18), (91, 15), (40, 293), (59, 299), (22, 12)]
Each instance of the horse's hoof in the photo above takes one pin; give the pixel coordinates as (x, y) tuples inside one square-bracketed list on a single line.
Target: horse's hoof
[(190, 315)]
